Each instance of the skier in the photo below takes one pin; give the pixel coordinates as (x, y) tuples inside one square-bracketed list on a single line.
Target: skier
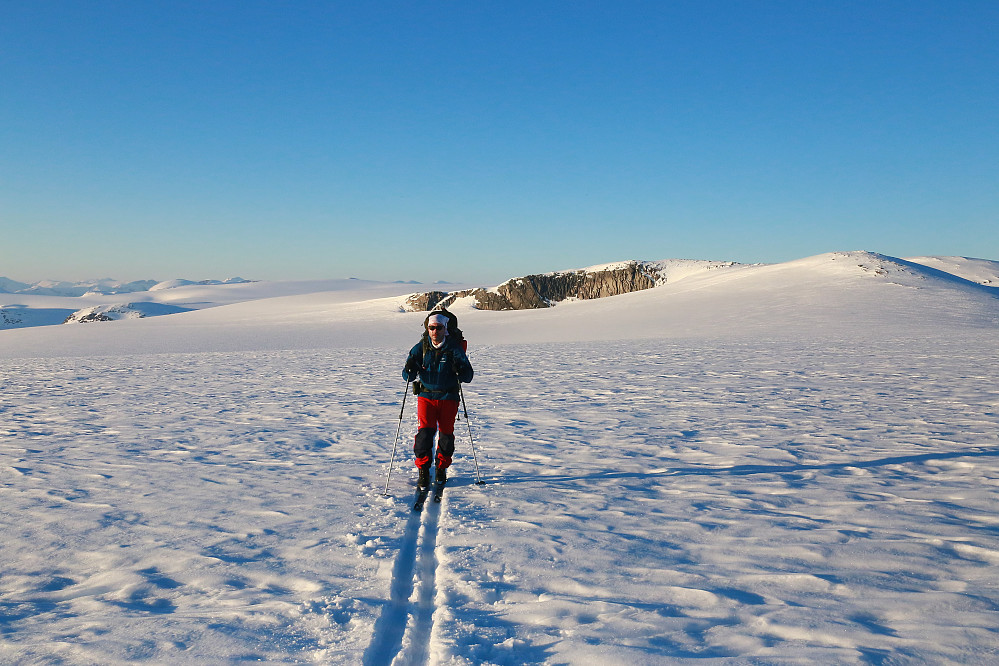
[(436, 365)]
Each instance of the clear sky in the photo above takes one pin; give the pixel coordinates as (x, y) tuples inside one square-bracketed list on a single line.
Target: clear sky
[(474, 140)]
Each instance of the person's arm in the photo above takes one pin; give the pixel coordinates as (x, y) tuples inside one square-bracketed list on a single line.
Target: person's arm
[(411, 370), (462, 366)]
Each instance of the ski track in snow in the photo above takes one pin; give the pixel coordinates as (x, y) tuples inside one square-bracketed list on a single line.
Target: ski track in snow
[(821, 501), (402, 633)]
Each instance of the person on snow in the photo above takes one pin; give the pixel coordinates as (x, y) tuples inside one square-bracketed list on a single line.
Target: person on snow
[(436, 364)]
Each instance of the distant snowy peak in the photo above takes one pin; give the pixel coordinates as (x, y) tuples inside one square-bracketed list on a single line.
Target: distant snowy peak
[(8, 286), (172, 284), (103, 287), (122, 311)]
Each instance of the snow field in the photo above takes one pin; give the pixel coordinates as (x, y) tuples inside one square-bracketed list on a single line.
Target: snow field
[(675, 501), (189, 508), (646, 501), (782, 466)]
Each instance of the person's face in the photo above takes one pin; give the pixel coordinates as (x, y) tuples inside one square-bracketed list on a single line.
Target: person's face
[(436, 332)]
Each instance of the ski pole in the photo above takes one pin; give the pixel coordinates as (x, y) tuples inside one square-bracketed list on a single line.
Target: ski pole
[(471, 441), (396, 442)]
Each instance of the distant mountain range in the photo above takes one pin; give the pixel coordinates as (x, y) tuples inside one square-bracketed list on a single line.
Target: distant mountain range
[(106, 286)]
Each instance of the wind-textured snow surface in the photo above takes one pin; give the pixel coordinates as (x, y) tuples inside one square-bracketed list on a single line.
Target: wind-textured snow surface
[(820, 489)]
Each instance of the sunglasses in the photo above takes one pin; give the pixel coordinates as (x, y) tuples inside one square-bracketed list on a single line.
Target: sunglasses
[(434, 327)]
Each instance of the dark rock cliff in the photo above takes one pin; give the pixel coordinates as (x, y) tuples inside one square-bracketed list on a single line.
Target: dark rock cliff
[(545, 290)]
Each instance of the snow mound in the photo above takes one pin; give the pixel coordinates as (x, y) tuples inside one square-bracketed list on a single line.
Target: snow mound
[(116, 312)]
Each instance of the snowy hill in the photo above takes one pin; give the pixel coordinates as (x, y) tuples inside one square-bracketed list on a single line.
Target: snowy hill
[(788, 463), (101, 313)]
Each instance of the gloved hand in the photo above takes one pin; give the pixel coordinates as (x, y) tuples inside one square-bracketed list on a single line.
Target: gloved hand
[(459, 367), (412, 369)]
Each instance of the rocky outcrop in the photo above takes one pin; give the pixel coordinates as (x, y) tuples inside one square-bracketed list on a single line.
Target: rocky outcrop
[(87, 316), (426, 301), (545, 290)]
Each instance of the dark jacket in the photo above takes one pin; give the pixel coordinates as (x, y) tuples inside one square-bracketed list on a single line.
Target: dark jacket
[(439, 370)]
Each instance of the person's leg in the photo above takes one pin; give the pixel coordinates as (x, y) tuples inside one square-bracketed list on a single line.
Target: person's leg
[(423, 444), (447, 412)]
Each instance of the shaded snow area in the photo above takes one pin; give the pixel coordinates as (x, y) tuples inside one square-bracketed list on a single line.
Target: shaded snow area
[(828, 501), (22, 316)]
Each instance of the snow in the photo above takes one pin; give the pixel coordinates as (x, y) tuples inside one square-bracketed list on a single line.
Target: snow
[(22, 316), (982, 271), (794, 463), (599, 268), (672, 270)]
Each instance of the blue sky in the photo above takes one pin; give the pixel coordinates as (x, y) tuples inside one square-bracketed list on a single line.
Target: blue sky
[(474, 141)]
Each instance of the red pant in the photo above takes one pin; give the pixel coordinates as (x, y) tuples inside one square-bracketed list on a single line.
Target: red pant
[(435, 415)]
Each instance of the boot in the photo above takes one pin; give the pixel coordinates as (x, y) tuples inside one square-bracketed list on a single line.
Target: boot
[(441, 476), (424, 480)]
